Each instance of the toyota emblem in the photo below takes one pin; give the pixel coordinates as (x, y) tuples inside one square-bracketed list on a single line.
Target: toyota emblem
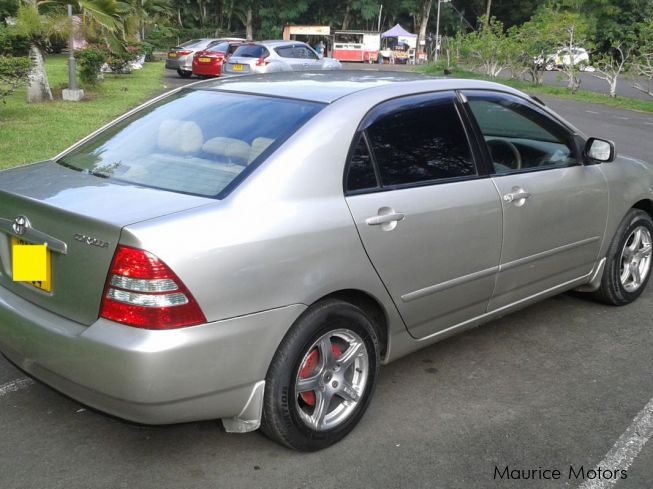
[(20, 225)]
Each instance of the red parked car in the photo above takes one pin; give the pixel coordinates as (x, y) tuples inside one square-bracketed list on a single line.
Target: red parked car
[(209, 61)]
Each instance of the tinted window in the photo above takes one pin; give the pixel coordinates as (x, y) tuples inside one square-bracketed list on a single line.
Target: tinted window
[(420, 139), (519, 137), (251, 51), (303, 52), (197, 141), (360, 174), (285, 52)]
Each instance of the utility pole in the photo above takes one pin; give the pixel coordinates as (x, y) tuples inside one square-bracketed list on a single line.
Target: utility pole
[(378, 27), (72, 93), (437, 31)]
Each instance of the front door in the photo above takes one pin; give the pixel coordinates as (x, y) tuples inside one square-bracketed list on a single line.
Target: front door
[(554, 207), (429, 223)]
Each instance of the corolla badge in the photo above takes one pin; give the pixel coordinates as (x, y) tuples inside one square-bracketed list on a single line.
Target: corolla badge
[(20, 225), (91, 241)]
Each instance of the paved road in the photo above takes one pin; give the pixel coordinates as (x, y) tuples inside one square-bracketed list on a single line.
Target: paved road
[(593, 84), (552, 386)]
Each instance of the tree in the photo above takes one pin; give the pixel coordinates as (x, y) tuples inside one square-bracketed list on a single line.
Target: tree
[(571, 30), (611, 66), (644, 62), (488, 47), (39, 28)]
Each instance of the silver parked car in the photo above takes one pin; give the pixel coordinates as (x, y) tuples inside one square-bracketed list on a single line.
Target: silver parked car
[(274, 56), (180, 58), (253, 249)]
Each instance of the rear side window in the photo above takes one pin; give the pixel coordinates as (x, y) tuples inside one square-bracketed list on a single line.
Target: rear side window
[(196, 142), (251, 51), (360, 174), (420, 139)]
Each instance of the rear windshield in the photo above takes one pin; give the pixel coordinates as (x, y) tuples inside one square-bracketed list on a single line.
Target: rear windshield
[(251, 51), (219, 48), (196, 142), (192, 42)]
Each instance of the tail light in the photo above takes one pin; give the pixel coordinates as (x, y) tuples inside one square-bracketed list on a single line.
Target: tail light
[(261, 62), (144, 292), (184, 53)]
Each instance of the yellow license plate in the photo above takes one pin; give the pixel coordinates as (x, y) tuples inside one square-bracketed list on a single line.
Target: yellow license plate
[(172, 55), (238, 67), (44, 268), (204, 60)]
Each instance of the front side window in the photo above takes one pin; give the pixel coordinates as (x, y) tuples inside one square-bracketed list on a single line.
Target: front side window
[(195, 142), (285, 51), (302, 52), (519, 137), (420, 139)]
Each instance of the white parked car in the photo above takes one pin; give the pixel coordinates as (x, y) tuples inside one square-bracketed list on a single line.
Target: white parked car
[(565, 57)]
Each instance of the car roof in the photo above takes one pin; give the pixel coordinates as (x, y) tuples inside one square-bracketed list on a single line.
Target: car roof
[(277, 43), (329, 86)]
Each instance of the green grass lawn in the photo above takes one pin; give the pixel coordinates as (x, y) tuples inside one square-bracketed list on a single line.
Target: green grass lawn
[(560, 92), (34, 132)]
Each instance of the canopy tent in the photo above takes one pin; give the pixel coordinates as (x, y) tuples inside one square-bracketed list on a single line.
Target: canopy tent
[(397, 31)]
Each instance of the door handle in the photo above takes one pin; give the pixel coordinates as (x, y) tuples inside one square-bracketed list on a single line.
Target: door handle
[(516, 196), (384, 218)]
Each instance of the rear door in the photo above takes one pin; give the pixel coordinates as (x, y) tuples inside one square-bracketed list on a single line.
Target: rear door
[(429, 223), (554, 207)]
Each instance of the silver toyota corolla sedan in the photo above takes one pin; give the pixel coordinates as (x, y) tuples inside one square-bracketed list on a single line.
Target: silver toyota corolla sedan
[(274, 56), (253, 249)]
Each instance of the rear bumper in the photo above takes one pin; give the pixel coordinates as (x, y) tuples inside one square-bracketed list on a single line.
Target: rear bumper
[(206, 69), (182, 63), (155, 377)]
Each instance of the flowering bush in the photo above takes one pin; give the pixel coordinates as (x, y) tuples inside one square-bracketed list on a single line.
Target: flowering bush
[(90, 61)]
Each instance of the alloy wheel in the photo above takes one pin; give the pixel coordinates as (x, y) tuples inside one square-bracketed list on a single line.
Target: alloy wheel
[(635, 259), (331, 379)]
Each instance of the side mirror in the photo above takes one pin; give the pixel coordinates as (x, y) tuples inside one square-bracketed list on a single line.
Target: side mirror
[(599, 150)]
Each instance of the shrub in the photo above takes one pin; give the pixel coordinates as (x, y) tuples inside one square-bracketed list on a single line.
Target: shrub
[(13, 73), (148, 50), (119, 61), (13, 43), (90, 61)]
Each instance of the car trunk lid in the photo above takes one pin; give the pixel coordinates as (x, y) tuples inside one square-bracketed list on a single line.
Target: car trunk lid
[(81, 217)]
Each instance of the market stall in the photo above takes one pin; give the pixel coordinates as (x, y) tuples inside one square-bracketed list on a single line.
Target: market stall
[(398, 45)]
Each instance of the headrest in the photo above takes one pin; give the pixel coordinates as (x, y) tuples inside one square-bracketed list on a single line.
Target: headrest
[(258, 146), (182, 137), (232, 149)]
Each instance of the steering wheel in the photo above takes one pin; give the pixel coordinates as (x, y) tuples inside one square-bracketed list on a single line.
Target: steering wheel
[(505, 153)]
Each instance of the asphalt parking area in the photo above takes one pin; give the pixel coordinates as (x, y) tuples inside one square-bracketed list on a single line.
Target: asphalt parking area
[(553, 386)]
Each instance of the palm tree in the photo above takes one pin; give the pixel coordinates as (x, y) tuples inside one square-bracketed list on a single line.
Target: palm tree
[(39, 28)]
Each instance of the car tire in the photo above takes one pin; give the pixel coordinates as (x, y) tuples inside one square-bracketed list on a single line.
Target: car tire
[(549, 67), (184, 73), (628, 266), (313, 400)]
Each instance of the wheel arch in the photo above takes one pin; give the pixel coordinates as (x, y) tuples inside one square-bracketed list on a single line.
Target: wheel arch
[(371, 306), (645, 205)]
